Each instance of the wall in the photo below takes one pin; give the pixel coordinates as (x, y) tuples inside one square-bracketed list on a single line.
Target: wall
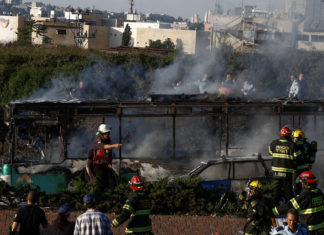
[(9, 27), (115, 36), (93, 17), (59, 32), (153, 25), (188, 37), (101, 39), (314, 17), (162, 224), (36, 12), (224, 21), (63, 33), (295, 7)]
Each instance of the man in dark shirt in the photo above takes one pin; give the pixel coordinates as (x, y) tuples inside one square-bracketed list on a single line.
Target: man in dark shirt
[(302, 87), (29, 217)]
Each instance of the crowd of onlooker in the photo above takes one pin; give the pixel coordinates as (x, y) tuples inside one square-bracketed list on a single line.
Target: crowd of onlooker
[(233, 87), (28, 219), (229, 87), (298, 87)]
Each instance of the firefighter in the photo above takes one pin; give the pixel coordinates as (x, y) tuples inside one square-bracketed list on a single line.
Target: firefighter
[(258, 209), (308, 151), (309, 203), (307, 156), (137, 208), (284, 154), (102, 160)]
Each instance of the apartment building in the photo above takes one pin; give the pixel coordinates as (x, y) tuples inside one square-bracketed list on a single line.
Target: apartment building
[(9, 27)]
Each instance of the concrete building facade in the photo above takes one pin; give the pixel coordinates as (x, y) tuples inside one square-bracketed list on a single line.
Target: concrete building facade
[(195, 19), (188, 38), (314, 17), (68, 34), (115, 36), (9, 27), (36, 9), (144, 25), (13, 2), (147, 25), (294, 8)]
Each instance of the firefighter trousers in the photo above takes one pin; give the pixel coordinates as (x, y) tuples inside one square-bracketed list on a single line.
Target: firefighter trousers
[(105, 178), (282, 188)]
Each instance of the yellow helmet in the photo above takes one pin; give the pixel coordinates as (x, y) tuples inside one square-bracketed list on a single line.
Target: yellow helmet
[(299, 134), (255, 184)]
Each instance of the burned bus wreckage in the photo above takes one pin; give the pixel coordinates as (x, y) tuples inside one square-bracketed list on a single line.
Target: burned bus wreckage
[(162, 135)]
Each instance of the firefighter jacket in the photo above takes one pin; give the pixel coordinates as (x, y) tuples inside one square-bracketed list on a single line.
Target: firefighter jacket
[(137, 208), (101, 155), (304, 160), (258, 213), (310, 205), (284, 154)]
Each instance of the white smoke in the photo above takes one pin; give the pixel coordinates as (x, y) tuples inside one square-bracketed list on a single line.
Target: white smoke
[(256, 134), (58, 89)]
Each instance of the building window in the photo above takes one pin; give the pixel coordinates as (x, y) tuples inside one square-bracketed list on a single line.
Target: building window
[(303, 37), (317, 38), (61, 31)]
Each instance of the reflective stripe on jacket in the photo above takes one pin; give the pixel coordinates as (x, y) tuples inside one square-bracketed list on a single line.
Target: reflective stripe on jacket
[(310, 205), (284, 156), (137, 209), (101, 155)]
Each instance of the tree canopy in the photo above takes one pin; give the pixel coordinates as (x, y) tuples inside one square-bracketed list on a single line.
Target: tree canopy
[(127, 36), (167, 44), (25, 33)]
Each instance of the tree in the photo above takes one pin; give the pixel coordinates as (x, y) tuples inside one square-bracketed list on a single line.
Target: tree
[(25, 33), (127, 35), (196, 26), (167, 44), (41, 30), (155, 44)]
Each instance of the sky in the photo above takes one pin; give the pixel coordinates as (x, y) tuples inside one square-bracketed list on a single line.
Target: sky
[(176, 8)]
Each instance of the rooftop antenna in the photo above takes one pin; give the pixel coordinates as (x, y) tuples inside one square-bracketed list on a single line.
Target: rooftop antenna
[(131, 2)]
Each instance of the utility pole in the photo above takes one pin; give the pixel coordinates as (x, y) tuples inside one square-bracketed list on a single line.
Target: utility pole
[(79, 35), (131, 2)]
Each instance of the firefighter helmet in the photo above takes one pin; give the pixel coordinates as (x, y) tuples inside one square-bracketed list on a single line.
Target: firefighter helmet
[(307, 177), (285, 131), (256, 185), (299, 134), (136, 183), (104, 128)]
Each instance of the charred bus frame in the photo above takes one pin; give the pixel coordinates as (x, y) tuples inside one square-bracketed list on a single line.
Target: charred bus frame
[(158, 106)]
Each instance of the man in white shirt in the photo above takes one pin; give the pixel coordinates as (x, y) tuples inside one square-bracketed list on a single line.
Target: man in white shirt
[(292, 227), (294, 89)]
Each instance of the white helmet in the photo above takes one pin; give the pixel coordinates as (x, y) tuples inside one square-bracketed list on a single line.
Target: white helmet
[(104, 128)]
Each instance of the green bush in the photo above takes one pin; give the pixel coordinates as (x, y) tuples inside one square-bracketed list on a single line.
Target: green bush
[(183, 196)]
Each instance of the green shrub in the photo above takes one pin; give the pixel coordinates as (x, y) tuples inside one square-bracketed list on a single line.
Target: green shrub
[(182, 196)]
